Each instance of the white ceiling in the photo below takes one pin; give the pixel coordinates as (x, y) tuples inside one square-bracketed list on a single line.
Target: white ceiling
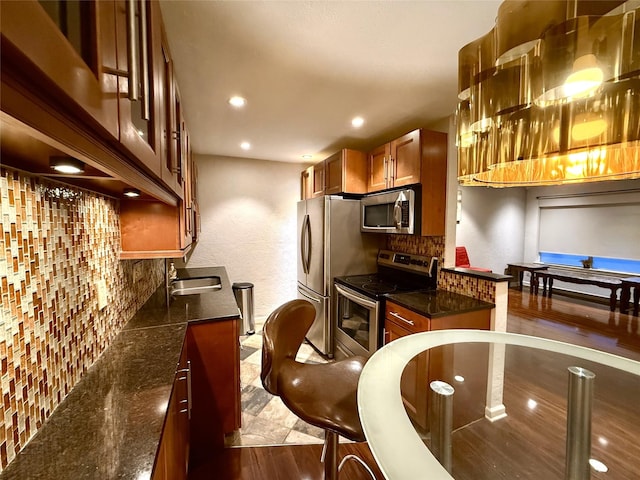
[(307, 68)]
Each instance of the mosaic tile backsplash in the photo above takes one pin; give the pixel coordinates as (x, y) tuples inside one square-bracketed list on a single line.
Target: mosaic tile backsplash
[(56, 243), (434, 246)]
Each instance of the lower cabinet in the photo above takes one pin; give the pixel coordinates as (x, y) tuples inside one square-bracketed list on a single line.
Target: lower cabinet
[(205, 400), (214, 353), (441, 363), (172, 460)]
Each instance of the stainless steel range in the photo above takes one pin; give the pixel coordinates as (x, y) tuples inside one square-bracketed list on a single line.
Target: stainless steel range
[(361, 298)]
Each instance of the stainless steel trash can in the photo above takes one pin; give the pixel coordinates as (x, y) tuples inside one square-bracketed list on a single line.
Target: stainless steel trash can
[(243, 292)]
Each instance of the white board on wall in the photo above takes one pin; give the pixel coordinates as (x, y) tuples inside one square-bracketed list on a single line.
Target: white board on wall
[(602, 229)]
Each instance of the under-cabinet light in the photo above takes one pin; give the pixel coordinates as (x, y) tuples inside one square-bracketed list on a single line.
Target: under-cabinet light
[(131, 192), (67, 165)]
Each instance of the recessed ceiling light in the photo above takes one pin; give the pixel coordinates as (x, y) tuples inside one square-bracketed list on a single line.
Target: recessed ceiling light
[(237, 101), (307, 156), (357, 122), (245, 145), (66, 165)]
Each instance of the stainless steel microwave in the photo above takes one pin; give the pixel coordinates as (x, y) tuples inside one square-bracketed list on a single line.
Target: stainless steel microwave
[(392, 211)]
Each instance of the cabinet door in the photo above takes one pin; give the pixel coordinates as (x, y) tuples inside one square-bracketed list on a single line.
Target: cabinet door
[(138, 100), (405, 159), (414, 379), (306, 183), (318, 180), (434, 182), (214, 353), (165, 88), (67, 55), (377, 168), (334, 174)]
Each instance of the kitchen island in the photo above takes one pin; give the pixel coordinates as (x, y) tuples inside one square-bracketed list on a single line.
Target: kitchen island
[(112, 424)]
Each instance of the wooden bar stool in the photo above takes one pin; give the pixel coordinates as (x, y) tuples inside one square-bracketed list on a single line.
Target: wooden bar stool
[(323, 395)]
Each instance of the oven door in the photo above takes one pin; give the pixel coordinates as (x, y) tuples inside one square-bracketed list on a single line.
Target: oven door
[(357, 319)]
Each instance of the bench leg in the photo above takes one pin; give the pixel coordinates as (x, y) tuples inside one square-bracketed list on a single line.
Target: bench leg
[(533, 278), (520, 278), (613, 299), (550, 287), (625, 295), (636, 300)]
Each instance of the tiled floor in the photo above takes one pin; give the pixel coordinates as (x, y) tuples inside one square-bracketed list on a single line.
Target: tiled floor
[(265, 419)]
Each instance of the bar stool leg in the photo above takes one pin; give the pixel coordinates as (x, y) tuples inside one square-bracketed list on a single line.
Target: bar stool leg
[(330, 455)]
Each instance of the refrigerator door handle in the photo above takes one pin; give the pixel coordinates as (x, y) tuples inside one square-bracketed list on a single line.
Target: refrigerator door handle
[(309, 243), (304, 244), (313, 299)]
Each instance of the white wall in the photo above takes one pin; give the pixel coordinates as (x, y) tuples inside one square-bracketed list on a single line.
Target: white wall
[(248, 215), (492, 226)]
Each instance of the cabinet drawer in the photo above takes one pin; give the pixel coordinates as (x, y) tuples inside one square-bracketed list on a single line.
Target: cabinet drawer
[(406, 318)]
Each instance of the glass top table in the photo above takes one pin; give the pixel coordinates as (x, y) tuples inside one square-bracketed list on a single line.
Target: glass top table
[(513, 402)]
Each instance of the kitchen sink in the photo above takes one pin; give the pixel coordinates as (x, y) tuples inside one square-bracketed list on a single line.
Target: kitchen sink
[(194, 286)]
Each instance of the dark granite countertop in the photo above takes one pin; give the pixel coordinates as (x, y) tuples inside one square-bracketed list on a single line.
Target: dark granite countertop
[(438, 303), (468, 272), (109, 426)]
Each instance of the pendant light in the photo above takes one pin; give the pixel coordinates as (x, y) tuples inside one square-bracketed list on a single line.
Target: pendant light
[(560, 101)]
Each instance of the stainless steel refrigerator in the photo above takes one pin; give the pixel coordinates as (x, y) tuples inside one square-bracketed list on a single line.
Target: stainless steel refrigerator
[(330, 245)]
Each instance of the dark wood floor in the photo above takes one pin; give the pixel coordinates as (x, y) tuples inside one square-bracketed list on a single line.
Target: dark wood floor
[(616, 429)]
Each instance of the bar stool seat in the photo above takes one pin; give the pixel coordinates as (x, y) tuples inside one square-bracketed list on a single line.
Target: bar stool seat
[(325, 395)]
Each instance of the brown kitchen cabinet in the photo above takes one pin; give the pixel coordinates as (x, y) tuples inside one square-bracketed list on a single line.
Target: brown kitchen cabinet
[(138, 95), (205, 399), (317, 180), (152, 229), (419, 157), (214, 353), (441, 364), (345, 172), (306, 183), (76, 68), (172, 459), (396, 163)]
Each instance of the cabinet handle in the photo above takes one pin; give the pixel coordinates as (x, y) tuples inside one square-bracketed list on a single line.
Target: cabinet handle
[(132, 50), (144, 56), (395, 315), (391, 169), (384, 168), (186, 377)]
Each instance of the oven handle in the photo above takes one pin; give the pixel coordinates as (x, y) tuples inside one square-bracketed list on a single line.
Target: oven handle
[(355, 298)]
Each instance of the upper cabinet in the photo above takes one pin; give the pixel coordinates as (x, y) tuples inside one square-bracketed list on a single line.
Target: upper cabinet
[(419, 157), (65, 51), (395, 164), (138, 31), (95, 80), (343, 172), (317, 180), (306, 183)]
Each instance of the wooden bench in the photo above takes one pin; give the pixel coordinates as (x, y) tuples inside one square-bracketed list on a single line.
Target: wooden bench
[(581, 277)]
